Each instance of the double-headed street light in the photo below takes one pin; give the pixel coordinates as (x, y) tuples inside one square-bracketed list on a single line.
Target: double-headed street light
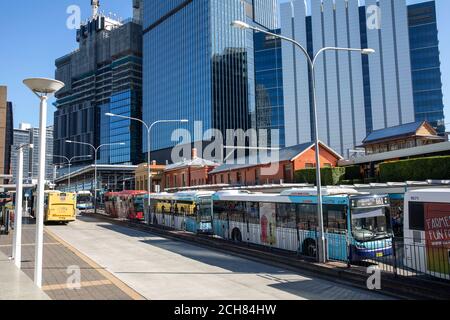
[(69, 163), (42, 88), (17, 247), (95, 166), (311, 62), (149, 129)]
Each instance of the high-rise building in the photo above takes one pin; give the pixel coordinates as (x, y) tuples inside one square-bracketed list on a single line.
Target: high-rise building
[(426, 65), (6, 131), (21, 136), (103, 75), (197, 67), (357, 94), (26, 134), (269, 86)]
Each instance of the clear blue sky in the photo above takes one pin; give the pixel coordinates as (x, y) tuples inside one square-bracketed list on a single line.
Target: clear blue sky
[(34, 34)]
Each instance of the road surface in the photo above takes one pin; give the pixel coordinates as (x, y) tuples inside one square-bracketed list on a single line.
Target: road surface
[(160, 268)]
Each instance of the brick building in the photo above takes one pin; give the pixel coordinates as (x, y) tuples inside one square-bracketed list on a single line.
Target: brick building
[(188, 173), (6, 131), (141, 176), (290, 160)]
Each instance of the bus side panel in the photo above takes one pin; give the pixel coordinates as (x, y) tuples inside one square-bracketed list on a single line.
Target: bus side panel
[(287, 239), (191, 224), (220, 228), (254, 233), (336, 246)]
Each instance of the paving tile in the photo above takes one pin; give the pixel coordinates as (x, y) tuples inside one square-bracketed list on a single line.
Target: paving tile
[(57, 258)]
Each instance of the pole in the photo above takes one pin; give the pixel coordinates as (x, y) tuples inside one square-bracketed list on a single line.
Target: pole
[(17, 253), (95, 182), (321, 236), (40, 195), (149, 173), (70, 165)]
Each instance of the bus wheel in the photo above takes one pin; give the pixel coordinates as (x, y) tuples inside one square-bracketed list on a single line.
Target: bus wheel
[(236, 235), (309, 248)]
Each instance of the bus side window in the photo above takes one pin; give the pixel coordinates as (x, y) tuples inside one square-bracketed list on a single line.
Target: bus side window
[(307, 217), (416, 216), (335, 219)]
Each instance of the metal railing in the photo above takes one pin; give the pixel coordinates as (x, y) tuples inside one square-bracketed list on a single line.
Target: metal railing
[(416, 260)]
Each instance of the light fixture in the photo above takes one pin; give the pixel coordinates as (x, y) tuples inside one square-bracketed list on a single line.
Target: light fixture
[(367, 51), (240, 25)]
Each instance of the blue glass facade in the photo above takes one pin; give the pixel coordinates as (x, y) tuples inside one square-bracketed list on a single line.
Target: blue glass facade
[(197, 67), (426, 73), (425, 65), (269, 85), (117, 130), (104, 155), (366, 70)]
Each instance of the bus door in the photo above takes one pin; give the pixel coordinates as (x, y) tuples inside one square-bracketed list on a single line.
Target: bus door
[(335, 225)]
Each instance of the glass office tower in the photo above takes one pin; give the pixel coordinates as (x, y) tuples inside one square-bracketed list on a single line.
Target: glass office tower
[(426, 73), (197, 67), (269, 85)]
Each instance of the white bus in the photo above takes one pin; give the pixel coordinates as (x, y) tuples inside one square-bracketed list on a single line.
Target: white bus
[(427, 232), (85, 200), (356, 225)]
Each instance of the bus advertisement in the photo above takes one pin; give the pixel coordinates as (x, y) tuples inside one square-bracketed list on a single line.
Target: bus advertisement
[(427, 232)]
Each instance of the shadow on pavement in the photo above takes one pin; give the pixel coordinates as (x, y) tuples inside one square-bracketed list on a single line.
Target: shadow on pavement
[(228, 262)]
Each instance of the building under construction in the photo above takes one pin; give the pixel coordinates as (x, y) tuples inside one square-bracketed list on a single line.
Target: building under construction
[(103, 75)]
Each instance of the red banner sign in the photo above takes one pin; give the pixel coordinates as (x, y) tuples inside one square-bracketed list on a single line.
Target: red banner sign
[(437, 225)]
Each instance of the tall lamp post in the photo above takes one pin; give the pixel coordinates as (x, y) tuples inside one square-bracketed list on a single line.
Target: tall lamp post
[(149, 130), (95, 166), (69, 163), (312, 63), (17, 248), (42, 88)]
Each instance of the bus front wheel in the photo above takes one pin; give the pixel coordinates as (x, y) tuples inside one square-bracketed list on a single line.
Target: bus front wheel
[(309, 248)]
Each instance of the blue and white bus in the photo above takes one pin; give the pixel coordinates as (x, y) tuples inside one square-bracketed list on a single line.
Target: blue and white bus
[(85, 200), (357, 226), (189, 211)]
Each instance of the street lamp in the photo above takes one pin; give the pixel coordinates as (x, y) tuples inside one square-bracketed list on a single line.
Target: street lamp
[(149, 129), (17, 248), (42, 88), (311, 62), (69, 163), (95, 166)]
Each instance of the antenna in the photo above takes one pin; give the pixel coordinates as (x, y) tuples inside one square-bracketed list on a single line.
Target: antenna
[(95, 4)]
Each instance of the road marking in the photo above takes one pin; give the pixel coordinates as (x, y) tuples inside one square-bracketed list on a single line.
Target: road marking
[(55, 287), (114, 280), (32, 244)]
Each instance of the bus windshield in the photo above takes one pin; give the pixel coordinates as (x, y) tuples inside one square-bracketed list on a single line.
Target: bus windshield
[(371, 224), (84, 198)]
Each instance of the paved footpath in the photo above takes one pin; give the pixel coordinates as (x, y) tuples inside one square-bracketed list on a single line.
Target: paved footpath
[(16, 285), (59, 259), (160, 268)]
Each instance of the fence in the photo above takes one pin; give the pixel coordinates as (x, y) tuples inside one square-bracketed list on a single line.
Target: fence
[(417, 260), (398, 256)]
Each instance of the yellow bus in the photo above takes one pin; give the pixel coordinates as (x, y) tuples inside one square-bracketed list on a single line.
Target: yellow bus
[(59, 207)]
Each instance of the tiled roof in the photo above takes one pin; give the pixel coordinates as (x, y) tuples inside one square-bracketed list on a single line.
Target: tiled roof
[(394, 132), (286, 154), (196, 162)]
